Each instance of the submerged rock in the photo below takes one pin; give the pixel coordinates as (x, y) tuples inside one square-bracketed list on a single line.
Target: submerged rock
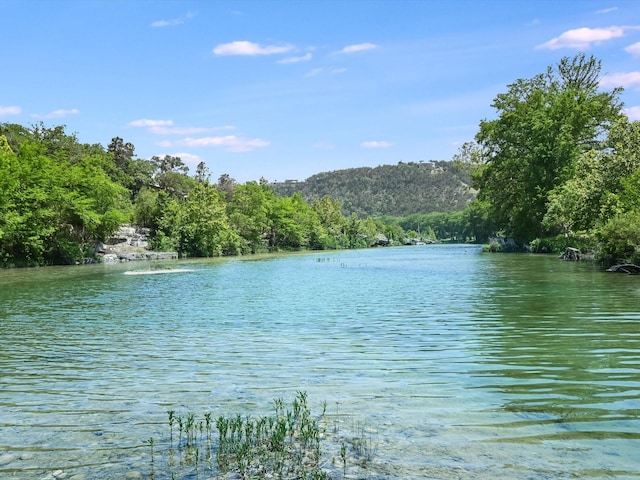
[(7, 458), (628, 268)]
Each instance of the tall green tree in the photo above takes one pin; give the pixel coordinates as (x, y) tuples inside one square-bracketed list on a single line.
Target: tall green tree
[(171, 176), (198, 226), (544, 125), (248, 212), (122, 152), (285, 232), (330, 215), (353, 232)]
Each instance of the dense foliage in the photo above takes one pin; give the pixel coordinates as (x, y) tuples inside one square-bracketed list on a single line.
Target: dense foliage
[(561, 158), (397, 190), (545, 125), (56, 197), (59, 198)]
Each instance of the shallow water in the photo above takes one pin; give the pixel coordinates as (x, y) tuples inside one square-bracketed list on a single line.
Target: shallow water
[(460, 364)]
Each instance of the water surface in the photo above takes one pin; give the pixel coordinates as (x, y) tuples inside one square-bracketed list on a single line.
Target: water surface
[(460, 364)]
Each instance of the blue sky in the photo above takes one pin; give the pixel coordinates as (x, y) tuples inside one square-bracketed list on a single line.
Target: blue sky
[(286, 89)]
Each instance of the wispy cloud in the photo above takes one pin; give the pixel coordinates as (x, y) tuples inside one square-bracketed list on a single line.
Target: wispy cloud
[(57, 113), (622, 79), (231, 143), (166, 127), (250, 48), (10, 110), (604, 11), (303, 58), (186, 130), (174, 21), (633, 49), (325, 71), (633, 113), (359, 47), (376, 144), (584, 38), (146, 122)]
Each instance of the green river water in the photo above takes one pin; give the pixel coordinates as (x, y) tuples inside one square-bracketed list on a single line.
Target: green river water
[(457, 364)]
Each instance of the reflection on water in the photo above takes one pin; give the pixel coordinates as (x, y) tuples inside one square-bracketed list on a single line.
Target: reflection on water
[(466, 365)]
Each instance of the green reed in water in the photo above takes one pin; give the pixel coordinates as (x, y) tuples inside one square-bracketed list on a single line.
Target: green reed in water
[(285, 445)]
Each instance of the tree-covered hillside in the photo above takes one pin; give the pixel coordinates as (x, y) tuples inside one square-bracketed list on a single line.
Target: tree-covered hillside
[(398, 190)]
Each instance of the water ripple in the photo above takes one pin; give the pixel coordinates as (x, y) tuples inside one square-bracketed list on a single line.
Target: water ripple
[(444, 352)]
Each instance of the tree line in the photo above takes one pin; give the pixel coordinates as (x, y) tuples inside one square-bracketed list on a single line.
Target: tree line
[(59, 197), (559, 165)]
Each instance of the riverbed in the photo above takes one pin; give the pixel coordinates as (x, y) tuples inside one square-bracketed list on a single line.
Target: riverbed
[(456, 363)]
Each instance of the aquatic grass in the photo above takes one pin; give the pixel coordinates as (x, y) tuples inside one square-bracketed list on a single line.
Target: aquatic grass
[(285, 445), (171, 419)]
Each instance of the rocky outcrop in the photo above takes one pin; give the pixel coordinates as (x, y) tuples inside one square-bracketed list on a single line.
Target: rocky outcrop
[(571, 254), (130, 243), (129, 236)]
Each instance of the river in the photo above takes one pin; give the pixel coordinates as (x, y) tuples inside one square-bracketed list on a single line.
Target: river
[(456, 363)]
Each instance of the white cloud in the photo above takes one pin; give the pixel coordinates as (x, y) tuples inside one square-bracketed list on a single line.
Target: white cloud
[(165, 127), (583, 38), (633, 113), (230, 143), (250, 48), (177, 130), (174, 21), (633, 49), (376, 144), (187, 130), (606, 10), (10, 110), (360, 47), (57, 113), (145, 122), (187, 157), (623, 79), (304, 58)]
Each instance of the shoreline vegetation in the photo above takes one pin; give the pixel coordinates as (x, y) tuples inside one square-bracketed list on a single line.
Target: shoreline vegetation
[(558, 167)]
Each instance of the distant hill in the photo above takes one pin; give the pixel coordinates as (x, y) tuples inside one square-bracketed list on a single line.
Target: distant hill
[(397, 190)]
